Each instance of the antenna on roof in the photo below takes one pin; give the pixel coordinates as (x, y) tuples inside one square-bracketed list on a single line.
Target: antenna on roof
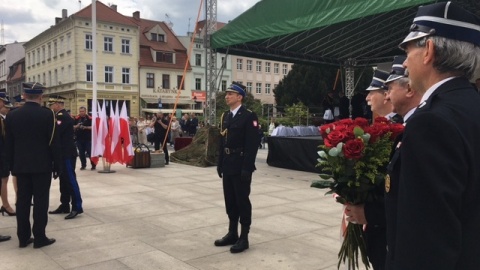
[(169, 22), (79, 4), (2, 40), (188, 29)]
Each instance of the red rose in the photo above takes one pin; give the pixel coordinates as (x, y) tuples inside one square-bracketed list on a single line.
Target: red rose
[(395, 129), (381, 119), (376, 131), (333, 138), (361, 122), (346, 121), (353, 149), (323, 129)]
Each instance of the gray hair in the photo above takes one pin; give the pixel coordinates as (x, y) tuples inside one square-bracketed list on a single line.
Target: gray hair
[(459, 58), (403, 82)]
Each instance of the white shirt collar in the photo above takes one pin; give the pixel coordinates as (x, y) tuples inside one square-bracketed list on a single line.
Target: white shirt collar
[(408, 114), (234, 111), (432, 89), (390, 115)]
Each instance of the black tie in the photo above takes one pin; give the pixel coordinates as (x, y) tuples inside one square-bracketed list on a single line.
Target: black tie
[(230, 116)]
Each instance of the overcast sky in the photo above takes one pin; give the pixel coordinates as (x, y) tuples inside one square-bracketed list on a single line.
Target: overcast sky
[(24, 19)]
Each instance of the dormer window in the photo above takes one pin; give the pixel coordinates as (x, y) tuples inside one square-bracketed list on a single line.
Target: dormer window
[(164, 57), (157, 37)]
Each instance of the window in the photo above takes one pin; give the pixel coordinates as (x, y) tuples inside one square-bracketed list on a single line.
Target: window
[(62, 76), (125, 75), (161, 38), (61, 46), (198, 84), (267, 88), (276, 68), (89, 74), (125, 46), (55, 77), (164, 57), (49, 51), (239, 64), (267, 67), (153, 36), (49, 78), (43, 54), (249, 65), (179, 82), (88, 41), (259, 66), (108, 74), (55, 49), (198, 59), (284, 69), (108, 44), (69, 42), (258, 89), (38, 56), (150, 80), (166, 81), (224, 85), (69, 75), (249, 87)]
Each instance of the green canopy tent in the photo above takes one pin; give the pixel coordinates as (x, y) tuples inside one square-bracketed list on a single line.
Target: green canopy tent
[(322, 31)]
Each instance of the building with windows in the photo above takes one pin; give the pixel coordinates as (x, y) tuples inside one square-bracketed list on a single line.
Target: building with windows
[(61, 59), (163, 60), (9, 54), (16, 77), (198, 63), (259, 76)]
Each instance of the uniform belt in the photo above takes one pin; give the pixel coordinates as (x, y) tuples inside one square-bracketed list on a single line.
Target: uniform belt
[(230, 151)]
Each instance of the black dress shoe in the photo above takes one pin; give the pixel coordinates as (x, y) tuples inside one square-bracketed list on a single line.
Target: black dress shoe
[(228, 239), (60, 210), (93, 168), (82, 168), (4, 238), (24, 245), (73, 214), (46, 242), (240, 245)]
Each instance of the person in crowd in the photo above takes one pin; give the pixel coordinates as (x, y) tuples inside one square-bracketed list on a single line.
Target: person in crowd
[(175, 130), (236, 163), (132, 121), (83, 136), (328, 106), (344, 105), (373, 213), (69, 189), (193, 124), (359, 105), (33, 155), (6, 208), (142, 134), (185, 124), (261, 137), (439, 181), (160, 126)]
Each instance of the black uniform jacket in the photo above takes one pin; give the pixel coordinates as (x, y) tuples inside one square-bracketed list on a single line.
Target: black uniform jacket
[(241, 135), (438, 217), (31, 140), (66, 134)]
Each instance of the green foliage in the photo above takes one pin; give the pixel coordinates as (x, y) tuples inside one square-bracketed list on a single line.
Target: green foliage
[(249, 101), (295, 115)]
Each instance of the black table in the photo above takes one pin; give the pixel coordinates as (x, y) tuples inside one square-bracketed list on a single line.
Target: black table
[(296, 153)]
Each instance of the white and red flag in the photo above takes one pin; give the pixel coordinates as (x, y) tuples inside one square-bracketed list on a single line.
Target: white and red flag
[(125, 135)]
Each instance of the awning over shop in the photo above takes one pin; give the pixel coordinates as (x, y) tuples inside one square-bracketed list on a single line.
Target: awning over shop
[(322, 31), (167, 101)]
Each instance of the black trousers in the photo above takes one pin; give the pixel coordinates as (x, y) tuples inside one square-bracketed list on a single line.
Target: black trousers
[(237, 202), (376, 239), (38, 186), (84, 149), (69, 189), (158, 141)]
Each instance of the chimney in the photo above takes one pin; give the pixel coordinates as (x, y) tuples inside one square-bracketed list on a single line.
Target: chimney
[(57, 20), (136, 15), (64, 13), (114, 7)]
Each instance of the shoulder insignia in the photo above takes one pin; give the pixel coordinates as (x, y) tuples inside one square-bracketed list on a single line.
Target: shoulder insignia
[(60, 113), (249, 110)]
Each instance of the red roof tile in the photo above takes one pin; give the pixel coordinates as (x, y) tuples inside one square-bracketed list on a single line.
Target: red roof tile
[(104, 14)]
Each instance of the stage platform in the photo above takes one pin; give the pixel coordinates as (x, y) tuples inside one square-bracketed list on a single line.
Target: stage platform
[(296, 153)]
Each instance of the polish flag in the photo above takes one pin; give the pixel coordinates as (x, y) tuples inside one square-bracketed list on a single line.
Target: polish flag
[(116, 144), (125, 135), (95, 150)]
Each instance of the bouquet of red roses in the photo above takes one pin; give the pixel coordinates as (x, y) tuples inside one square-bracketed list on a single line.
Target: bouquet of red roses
[(355, 155)]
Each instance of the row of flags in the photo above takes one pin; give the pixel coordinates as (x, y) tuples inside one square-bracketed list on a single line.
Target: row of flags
[(111, 136)]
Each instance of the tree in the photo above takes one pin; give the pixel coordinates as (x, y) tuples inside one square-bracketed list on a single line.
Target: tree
[(310, 84), (249, 101)]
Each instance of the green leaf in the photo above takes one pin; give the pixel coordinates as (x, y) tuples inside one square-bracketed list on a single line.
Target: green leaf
[(358, 131), (325, 176), (321, 184)]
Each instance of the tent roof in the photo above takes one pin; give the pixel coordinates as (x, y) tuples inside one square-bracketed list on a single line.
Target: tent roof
[(322, 31)]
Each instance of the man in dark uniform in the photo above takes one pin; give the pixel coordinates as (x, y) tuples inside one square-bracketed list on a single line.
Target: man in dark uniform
[(236, 163), (33, 154), (69, 189), (438, 214), (83, 135), (404, 100)]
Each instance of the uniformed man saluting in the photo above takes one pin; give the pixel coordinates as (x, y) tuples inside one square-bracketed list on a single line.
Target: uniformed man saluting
[(236, 163)]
